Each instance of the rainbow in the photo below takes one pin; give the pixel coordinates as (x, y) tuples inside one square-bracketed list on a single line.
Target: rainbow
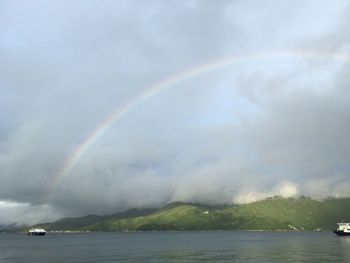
[(182, 76)]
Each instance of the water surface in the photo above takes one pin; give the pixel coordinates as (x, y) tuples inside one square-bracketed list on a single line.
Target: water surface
[(211, 246)]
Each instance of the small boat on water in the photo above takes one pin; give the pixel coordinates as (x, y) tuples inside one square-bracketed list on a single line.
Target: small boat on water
[(37, 232), (343, 229)]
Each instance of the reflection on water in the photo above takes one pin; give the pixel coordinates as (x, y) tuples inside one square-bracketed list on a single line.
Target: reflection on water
[(216, 246)]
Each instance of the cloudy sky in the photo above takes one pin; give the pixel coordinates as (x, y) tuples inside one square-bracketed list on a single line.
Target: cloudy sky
[(273, 118)]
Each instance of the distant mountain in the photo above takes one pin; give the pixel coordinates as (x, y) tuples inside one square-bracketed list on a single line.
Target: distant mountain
[(270, 214)]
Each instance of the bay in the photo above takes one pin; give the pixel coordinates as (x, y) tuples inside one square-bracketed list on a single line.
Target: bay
[(196, 246)]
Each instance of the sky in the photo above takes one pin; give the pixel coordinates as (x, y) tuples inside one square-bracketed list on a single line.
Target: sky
[(110, 105)]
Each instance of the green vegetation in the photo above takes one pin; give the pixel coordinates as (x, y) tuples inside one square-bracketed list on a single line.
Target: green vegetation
[(71, 223), (270, 214)]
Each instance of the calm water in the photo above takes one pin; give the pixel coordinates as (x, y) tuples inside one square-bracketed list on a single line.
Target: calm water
[(218, 246)]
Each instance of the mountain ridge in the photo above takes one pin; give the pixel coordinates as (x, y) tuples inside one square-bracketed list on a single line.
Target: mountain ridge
[(274, 213)]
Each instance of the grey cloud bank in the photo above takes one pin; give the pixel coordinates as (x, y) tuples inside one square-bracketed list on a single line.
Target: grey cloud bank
[(241, 133)]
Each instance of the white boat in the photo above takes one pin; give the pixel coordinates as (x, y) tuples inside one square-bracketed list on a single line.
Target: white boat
[(37, 232), (343, 229)]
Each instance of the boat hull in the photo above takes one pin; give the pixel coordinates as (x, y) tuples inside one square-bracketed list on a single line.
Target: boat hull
[(37, 234), (341, 233)]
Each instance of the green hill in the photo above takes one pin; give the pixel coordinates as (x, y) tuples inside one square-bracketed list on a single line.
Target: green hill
[(270, 214), (76, 223)]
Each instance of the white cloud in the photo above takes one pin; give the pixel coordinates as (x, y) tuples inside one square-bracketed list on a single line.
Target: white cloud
[(250, 194)]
